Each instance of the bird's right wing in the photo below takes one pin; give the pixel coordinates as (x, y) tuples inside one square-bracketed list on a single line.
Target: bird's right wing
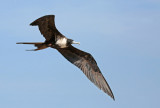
[(88, 65), (47, 27)]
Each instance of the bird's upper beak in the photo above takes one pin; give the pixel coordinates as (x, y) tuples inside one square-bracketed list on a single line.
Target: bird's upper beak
[(73, 42)]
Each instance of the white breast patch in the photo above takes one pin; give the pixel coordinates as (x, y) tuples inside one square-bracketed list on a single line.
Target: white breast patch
[(62, 42)]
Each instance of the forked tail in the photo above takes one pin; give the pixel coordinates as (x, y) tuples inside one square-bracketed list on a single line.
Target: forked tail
[(39, 45)]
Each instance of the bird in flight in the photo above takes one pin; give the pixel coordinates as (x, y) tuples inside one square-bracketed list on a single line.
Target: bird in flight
[(81, 59)]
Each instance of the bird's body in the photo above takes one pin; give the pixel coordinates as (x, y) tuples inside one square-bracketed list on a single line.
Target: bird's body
[(81, 59)]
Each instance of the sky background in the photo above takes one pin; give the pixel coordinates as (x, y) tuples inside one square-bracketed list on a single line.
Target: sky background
[(122, 35)]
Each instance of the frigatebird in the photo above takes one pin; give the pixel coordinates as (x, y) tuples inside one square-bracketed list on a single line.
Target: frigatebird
[(81, 59)]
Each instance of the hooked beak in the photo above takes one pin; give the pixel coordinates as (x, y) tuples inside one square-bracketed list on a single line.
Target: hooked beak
[(73, 42)]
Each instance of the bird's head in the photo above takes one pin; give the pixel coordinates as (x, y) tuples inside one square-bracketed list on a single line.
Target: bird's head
[(70, 41)]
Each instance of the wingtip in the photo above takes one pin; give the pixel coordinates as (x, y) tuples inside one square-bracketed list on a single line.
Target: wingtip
[(113, 98), (33, 23), (111, 95)]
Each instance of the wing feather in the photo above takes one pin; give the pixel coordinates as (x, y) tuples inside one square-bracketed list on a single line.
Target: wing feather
[(47, 27), (88, 65)]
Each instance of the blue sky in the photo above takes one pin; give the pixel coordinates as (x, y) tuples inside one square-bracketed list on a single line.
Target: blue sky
[(123, 36)]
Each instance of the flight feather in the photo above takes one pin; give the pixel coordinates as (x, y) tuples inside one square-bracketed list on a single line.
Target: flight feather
[(88, 65), (47, 27)]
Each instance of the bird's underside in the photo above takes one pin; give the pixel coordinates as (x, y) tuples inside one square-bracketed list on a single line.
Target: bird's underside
[(81, 59)]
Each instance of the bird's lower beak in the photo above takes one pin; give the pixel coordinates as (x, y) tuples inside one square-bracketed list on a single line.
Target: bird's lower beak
[(75, 42)]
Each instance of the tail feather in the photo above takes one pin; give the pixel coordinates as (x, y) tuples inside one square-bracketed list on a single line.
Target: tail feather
[(39, 45)]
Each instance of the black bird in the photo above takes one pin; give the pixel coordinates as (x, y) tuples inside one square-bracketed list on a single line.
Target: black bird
[(81, 59)]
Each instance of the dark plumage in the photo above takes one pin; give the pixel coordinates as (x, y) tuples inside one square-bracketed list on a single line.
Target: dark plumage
[(81, 59)]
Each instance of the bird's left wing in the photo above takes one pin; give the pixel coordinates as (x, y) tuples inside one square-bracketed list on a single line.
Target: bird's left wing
[(47, 27), (88, 65)]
